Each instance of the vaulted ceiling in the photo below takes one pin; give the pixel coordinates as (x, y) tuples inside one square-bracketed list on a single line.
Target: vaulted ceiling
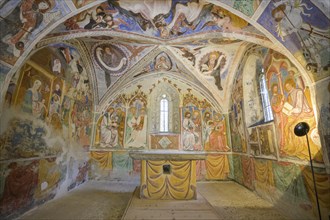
[(185, 33)]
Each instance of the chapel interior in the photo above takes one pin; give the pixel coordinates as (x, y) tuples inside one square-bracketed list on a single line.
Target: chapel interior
[(167, 102)]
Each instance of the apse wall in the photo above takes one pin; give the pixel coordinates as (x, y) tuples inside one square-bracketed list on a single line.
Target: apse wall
[(267, 156), (45, 130), (131, 122)]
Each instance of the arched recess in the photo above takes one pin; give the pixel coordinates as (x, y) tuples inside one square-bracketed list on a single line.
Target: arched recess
[(251, 95), (173, 98)]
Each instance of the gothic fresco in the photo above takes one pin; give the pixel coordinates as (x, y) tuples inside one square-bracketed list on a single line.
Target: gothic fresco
[(3, 72), (213, 65), (267, 140), (164, 19), (215, 132), (47, 118), (191, 126), (291, 103), (58, 135), (81, 3), (161, 62), (323, 105), (18, 187), (111, 59), (26, 139), (110, 132), (304, 30), (237, 127), (124, 124), (136, 122), (210, 130), (271, 166), (247, 7), (23, 21)]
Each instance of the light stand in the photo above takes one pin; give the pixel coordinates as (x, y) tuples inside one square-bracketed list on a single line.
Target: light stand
[(301, 129)]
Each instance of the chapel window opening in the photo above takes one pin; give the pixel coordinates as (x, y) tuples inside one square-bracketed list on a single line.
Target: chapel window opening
[(164, 114), (267, 109)]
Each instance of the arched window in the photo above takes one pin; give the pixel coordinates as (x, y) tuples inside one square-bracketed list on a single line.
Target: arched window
[(164, 114), (267, 109)]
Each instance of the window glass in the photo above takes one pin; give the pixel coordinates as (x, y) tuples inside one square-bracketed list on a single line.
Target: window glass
[(164, 114), (267, 109)]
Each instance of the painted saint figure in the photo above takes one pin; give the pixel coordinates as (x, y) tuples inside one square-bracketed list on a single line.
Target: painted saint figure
[(298, 109), (31, 15), (32, 98), (190, 137), (138, 133), (277, 103), (218, 139), (106, 127), (290, 18), (109, 60)]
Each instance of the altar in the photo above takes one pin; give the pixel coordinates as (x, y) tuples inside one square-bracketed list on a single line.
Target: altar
[(168, 174)]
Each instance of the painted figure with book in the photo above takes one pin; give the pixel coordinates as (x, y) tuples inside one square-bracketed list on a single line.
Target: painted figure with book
[(292, 106)]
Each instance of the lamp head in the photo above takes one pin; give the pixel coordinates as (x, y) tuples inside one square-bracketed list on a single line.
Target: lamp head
[(301, 129)]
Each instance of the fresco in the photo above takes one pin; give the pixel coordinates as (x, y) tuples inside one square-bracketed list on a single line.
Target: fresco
[(23, 22), (113, 162), (289, 181), (81, 172), (237, 127), (136, 123), (164, 19), (248, 172), (165, 141), (3, 72), (50, 176), (323, 105), (304, 30), (189, 53), (264, 182), (191, 126), (237, 168), (291, 103), (215, 132), (200, 170), (81, 3), (26, 139), (287, 184), (271, 145), (253, 70), (57, 90), (267, 140), (112, 125), (322, 185), (118, 59), (122, 163), (161, 62), (217, 167), (112, 59), (247, 7), (191, 134), (213, 65), (124, 124), (255, 149), (46, 122), (19, 182)]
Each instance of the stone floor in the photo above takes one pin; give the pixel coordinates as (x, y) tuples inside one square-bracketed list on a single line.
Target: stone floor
[(104, 200)]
